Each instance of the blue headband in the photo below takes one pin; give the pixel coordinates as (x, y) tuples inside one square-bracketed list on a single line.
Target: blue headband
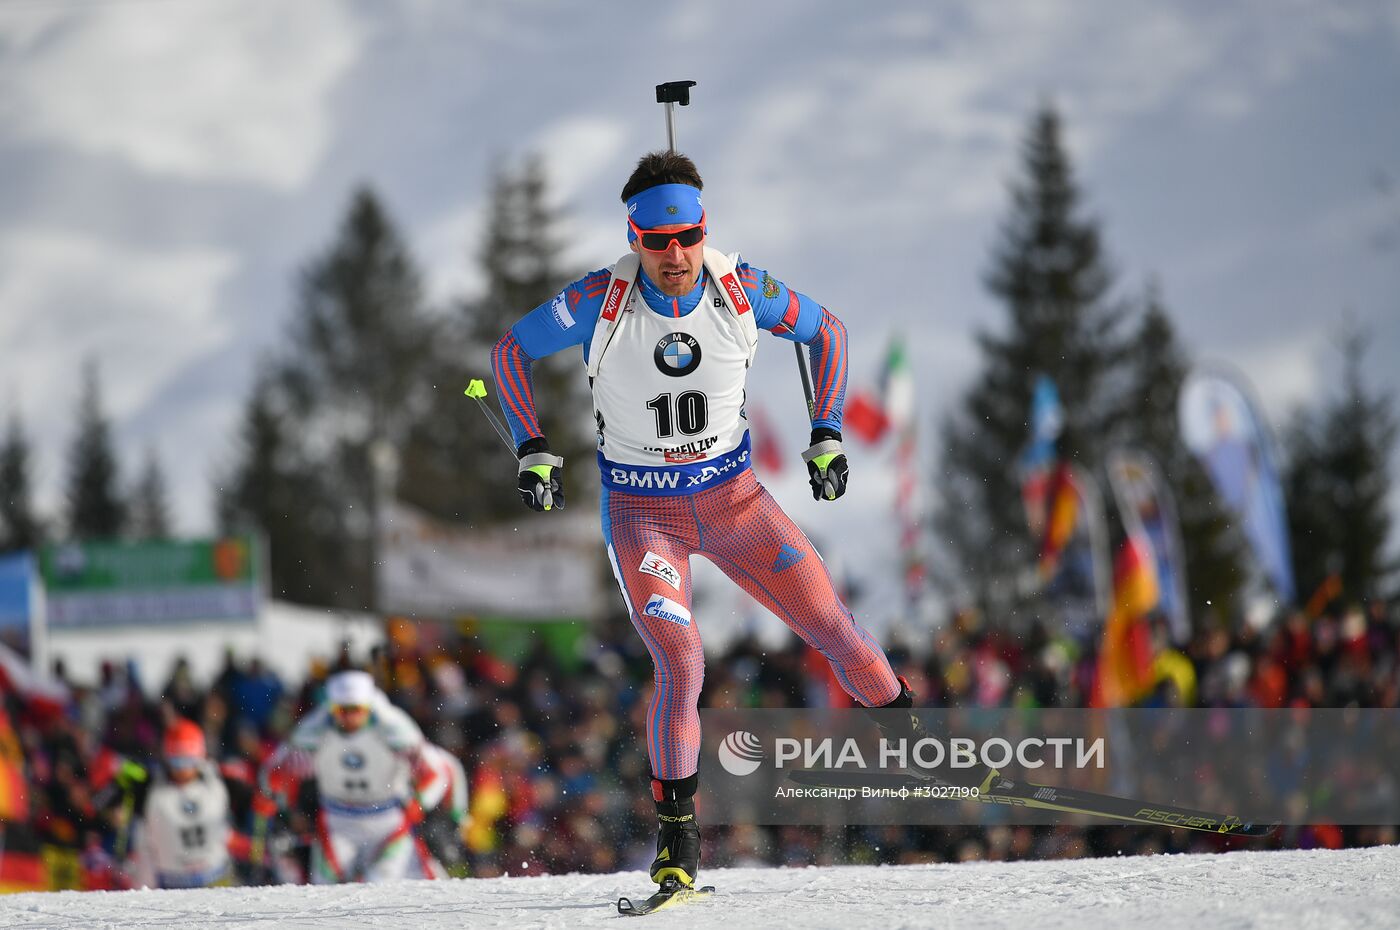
[(664, 205)]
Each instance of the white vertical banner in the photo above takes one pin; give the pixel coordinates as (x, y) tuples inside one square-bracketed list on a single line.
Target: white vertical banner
[(1222, 424), (1149, 515), (38, 626)]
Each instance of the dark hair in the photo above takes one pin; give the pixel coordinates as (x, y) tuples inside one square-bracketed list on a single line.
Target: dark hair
[(661, 168)]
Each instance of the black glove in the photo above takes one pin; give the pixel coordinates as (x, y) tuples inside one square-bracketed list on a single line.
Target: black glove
[(826, 465), (540, 484)]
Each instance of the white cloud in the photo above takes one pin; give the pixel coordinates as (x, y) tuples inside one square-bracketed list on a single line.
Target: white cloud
[(1284, 372), (215, 90), (587, 163), (940, 107), (578, 152), (447, 249), (143, 314), (1345, 227), (876, 129), (950, 101)]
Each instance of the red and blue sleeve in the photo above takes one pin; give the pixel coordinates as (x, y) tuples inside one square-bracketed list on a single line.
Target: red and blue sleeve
[(565, 320), (795, 316), (827, 351), (511, 367)]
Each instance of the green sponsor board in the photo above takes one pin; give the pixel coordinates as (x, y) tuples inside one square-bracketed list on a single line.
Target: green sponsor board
[(118, 584)]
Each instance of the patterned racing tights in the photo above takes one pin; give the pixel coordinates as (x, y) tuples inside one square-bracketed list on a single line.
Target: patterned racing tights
[(742, 530)]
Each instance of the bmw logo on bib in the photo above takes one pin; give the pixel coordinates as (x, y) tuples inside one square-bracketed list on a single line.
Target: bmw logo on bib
[(352, 760), (677, 354)]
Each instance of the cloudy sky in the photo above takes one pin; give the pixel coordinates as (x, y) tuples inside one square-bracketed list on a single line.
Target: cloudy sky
[(166, 166)]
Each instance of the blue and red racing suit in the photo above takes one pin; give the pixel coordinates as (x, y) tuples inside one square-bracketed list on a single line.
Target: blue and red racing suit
[(731, 520)]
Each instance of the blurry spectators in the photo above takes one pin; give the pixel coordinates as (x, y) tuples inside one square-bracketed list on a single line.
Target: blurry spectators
[(555, 752)]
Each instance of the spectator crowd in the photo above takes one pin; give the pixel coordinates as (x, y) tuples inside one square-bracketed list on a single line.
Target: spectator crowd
[(553, 740)]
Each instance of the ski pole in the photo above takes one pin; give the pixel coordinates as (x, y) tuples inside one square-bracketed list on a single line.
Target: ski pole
[(806, 382), (476, 390), (678, 92)]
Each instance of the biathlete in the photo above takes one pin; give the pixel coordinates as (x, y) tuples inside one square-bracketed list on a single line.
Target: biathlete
[(668, 334)]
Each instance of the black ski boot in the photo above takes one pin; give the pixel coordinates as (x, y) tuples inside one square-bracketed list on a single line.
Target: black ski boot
[(678, 840), (908, 727)]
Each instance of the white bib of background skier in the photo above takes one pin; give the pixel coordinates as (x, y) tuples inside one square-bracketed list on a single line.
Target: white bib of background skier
[(184, 838), (670, 390), (366, 768)]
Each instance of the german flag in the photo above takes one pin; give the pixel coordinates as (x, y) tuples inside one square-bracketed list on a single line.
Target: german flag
[(1125, 670), (14, 794), (22, 866), (488, 804), (1062, 511)]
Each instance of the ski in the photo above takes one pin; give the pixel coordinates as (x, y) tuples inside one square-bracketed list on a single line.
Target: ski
[(997, 789), (671, 893)]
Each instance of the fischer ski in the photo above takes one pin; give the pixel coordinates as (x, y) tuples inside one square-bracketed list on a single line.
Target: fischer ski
[(671, 893), (996, 789)]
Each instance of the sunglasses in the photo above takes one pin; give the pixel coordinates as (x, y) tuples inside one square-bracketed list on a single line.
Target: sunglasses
[(182, 763), (654, 241)]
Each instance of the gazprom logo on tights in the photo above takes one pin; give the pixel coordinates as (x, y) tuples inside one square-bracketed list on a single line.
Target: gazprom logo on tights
[(741, 753), (663, 608)]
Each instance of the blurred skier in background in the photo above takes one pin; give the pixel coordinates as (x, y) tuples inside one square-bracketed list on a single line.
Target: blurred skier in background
[(374, 776), (183, 834)]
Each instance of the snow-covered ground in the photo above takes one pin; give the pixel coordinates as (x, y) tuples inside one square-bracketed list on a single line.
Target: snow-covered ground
[(1296, 890)]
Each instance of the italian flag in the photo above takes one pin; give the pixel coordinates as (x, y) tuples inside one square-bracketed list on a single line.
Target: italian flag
[(871, 413)]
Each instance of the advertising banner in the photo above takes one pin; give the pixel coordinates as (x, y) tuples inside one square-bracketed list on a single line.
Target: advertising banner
[(100, 585), (541, 569)]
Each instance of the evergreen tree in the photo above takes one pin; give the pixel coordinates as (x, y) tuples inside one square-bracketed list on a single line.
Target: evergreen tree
[(95, 507), (350, 380), (150, 507), (1337, 482), (453, 452), (1049, 270), (271, 491), (19, 527), (1156, 366)]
